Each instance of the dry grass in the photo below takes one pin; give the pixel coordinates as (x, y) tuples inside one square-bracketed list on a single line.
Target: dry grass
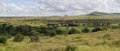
[(99, 41)]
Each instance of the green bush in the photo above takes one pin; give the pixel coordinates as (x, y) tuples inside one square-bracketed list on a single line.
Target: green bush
[(9, 36), (24, 29), (18, 38), (73, 31), (34, 36), (85, 30), (71, 48), (3, 39), (96, 29), (116, 43), (115, 27), (51, 33), (61, 32)]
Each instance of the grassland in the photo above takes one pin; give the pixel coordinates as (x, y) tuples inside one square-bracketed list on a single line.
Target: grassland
[(107, 40)]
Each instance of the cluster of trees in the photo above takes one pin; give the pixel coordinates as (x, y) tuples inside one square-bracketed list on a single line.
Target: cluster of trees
[(18, 32), (86, 30)]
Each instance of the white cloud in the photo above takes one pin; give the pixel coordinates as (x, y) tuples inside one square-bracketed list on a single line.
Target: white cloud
[(57, 7)]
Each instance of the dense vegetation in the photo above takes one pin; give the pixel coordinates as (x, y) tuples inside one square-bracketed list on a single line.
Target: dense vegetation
[(26, 30)]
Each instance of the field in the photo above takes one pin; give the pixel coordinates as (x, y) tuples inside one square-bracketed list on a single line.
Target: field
[(105, 38)]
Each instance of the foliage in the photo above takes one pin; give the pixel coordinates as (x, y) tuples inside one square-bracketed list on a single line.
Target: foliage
[(96, 29), (47, 30), (52, 33), (73, 31), (3, 39), (18, 38), (25, 30), (3, 28), (85, 30), (115, 27), (61, 32), (34, 36), (116, 43)]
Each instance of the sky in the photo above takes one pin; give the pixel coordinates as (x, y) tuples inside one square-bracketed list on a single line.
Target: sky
[(56, 7)]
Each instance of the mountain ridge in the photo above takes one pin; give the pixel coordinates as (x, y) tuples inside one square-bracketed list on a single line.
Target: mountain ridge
[(95, 13)]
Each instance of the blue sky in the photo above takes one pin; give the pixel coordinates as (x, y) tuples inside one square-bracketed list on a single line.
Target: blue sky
[(56, 7)]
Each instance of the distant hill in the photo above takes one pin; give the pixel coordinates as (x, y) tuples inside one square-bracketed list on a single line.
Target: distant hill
[(103, 14), (98, 13), (115, 14)]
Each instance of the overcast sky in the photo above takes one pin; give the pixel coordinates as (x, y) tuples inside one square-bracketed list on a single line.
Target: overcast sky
[(56, 7)]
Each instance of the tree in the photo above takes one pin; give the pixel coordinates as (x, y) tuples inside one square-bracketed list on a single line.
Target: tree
[(73, 31), (51, 31), (3, 39), (18, 38), (96, 29), (3, 28), (11, 30), (85, 30), (61, 32), (25, 30)]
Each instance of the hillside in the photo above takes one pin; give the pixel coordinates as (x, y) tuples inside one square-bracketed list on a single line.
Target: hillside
[(95, 13)]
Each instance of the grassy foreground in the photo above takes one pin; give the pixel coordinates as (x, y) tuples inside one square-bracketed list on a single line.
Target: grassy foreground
[(108, 40)]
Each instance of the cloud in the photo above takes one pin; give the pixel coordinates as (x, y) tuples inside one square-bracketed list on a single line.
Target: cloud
[(56, 7)]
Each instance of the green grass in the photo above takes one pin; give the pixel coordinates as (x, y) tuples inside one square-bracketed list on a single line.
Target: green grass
[(98, 41)]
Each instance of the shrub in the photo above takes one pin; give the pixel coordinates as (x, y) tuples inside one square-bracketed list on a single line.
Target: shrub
[(18, 38), (34, 36), (116, 43), (96, 29), (85, 30), (3, 40), (73, 31), (9, 36), (42, 30), (60, 31), (115, 26), (71, 48), (51, 33), (24, 29)]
